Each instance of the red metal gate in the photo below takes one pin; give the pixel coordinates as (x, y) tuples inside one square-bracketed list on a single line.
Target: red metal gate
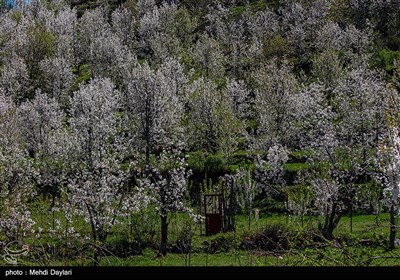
[(213, 213)]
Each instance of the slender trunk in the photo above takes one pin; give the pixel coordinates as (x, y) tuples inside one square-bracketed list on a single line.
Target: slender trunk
[(164, 234), (393, 228), (96, 257), (131, 225), (200, 209), (331, 221), (148, 122), (231, 209), (351, 217), (328, 232), (53, 201), (225, 217), (147, 157), (53, 222), (377, 214), (101, 239), (249, 218)]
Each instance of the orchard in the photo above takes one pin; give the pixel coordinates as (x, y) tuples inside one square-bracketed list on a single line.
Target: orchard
[(206, 133)]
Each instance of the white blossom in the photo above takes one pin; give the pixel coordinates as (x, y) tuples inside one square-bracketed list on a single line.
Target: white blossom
[(98, 185)]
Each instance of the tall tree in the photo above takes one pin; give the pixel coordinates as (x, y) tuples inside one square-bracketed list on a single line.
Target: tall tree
[(48, 145), (15, 79), (274, 105), (212, 123), (167, 188), (208, 57), (388, 163), (58, 78), (98, 186), (15, 190), (103, 50), (154, 109)]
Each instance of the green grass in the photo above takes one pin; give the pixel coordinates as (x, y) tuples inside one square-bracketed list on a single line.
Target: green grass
[(227, 250), (296, 166), (196, 259), (321, 257)]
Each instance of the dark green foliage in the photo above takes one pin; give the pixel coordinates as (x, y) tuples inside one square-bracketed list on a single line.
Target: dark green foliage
[(211, 164), (122, 247), (220, 243), (388, 60), (84, 74), (82, 5), (41, 45), (279, 238), (183, 243), (252, 6)]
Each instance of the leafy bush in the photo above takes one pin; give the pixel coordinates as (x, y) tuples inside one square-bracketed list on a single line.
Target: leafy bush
[(278, 237), (122, 247), (386, 59), (223, 242), (183, 243)]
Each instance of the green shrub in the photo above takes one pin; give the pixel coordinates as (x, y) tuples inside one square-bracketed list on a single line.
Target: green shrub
[(222, 242), (84, 74), (183, 243), (386, 59), (278, 237), (122, 247)]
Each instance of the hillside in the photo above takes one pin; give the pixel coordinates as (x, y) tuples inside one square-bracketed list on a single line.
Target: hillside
[(118, 113)]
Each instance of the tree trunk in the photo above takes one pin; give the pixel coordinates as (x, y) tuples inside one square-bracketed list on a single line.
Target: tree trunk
[(53, 202), (164, 234), (393, 228), (101, 239), (328, 232), (232, 209), (147, 158), (351, 217), (249, 218), (96, 257), (331, 222)]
